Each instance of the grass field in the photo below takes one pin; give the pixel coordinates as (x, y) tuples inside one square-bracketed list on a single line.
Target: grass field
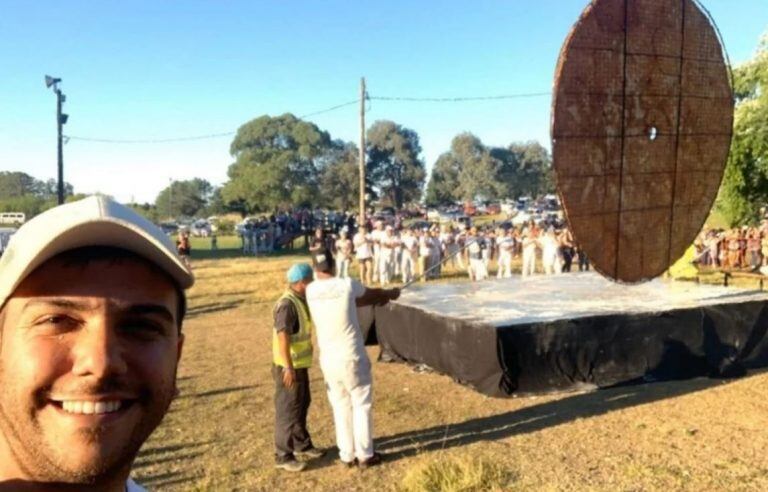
[(436, 435)]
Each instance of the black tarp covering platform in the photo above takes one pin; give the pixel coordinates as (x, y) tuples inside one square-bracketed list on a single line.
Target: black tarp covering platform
[(574, 331)]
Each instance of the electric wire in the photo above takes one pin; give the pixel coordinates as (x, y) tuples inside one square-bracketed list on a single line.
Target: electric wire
[(368, 99)]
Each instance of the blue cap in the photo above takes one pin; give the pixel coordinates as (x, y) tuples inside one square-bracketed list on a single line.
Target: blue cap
[(298, 272)]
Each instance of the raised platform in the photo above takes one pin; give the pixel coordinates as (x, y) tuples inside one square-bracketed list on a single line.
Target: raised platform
[(579, 330)]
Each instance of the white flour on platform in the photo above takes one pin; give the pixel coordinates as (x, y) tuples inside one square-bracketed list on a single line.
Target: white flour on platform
[(574, 295)]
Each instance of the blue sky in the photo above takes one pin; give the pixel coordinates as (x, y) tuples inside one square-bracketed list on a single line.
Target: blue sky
[(159, 69)]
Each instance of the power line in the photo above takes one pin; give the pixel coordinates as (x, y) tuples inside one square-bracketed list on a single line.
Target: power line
[(333, 108), (152, 140), (315, 113), (191, 138), (461, 99)]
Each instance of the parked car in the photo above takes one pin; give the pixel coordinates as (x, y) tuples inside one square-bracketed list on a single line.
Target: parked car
[(12, 218), (169, 227), (5, 237), (200, 228)]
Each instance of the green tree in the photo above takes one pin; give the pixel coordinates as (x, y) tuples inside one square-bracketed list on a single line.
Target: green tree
[(394, 166), (147, 210), (340, 177), (20, 192), (276, 163), (525, 170), (479, 176), (183, 198), (443, 185), (745, 185)]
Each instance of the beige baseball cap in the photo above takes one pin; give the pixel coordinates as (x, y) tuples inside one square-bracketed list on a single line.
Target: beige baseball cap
[(93, 221)]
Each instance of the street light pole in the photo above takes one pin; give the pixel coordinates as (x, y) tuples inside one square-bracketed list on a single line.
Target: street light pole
[(60, 126), (61, 120)]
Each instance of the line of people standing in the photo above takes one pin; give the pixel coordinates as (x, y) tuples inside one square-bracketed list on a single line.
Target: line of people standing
[(384, 253)]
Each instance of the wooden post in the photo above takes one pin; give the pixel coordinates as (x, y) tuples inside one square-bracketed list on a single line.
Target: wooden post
[(361, 221)]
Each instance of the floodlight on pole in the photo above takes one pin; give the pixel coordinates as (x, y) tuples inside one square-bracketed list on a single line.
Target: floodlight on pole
[(49, 81), (61, 120)]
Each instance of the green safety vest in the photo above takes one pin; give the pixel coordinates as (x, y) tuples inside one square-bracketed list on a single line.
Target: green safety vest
[(301, 342)]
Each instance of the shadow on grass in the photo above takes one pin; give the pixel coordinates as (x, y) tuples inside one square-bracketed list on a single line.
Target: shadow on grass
[(220, 391), (535, 418), (213, 307), (166, 455)]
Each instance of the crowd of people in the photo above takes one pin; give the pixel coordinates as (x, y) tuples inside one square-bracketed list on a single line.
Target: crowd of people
[(733, 249), (260, 235), (384, 253)]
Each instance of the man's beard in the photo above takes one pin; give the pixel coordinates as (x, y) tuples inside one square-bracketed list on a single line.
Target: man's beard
[(25, 437)]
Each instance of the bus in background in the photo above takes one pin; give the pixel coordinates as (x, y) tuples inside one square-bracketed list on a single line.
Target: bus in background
[(12, 218)]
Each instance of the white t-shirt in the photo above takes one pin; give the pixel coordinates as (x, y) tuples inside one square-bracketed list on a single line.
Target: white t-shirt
[(334, 313), (362, 246), (376, 236), (410, 242)]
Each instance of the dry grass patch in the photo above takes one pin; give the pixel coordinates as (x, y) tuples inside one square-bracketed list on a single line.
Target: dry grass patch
[(457, 474), (685, 435)]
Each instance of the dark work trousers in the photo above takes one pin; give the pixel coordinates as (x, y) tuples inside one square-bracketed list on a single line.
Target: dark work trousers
[(583, 262), (291, 407), (567, 258)]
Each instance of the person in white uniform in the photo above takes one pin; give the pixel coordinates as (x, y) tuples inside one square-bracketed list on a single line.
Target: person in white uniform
[(364, 255), (343, 360), (506, 245), (387, 245), (344, 253), (549, 258), (530, 244), (474, 247), (376, 236), (410, 255)]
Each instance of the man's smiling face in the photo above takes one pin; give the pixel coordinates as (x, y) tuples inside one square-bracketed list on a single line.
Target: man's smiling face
[(88, 358)]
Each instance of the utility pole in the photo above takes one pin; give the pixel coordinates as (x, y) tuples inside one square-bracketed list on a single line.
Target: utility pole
[(61, 120), (361, 222)]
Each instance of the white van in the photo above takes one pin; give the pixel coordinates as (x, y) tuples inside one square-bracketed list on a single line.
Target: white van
[(13, 218)]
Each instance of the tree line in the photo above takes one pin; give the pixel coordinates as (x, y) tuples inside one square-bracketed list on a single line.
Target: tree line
[(20, 192), (744, 191), (283, 161)]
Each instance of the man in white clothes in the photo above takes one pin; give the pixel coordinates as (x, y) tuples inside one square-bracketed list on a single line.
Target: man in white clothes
[(475, 245), (450, 246), (505, 244), (530, 244), (549, 257), (387, 245), (364, 255), (343, 359), (410, 255), (376, 236), (425, 252), (343, 253)]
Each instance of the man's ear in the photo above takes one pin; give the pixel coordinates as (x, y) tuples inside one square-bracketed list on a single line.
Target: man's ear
[(179, 347)]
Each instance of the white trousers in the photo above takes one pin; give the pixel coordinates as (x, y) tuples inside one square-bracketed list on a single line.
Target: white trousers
[(408, 266), (505, 265), (351, 397), (529, 262), (477, 268), (386, 266), (550, 262), (342, 271)]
